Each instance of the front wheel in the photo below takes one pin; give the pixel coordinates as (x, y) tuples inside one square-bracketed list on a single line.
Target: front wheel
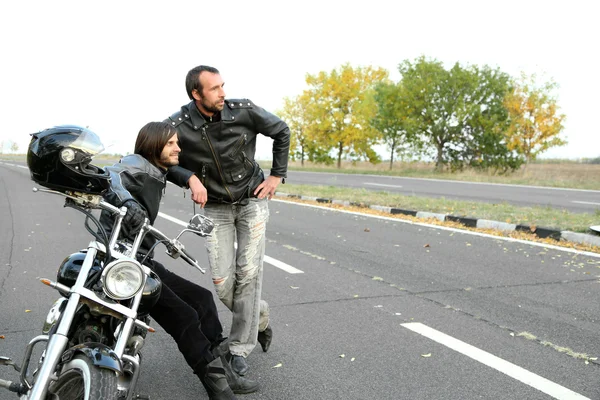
[(81, 380)]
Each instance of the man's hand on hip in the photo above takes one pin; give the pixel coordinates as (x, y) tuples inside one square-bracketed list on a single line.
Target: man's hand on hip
[(268, 187), (199, 193)]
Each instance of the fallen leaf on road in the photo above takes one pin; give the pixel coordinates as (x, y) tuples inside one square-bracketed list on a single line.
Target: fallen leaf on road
[(352, 359), (278, 365), (1, 336), (342, 355), (426, 355), (367, 230), (27, 310), (294, 287), (426, 245)]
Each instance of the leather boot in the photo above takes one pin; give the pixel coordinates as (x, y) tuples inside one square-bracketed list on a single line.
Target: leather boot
[(238, 384), (214, 380)]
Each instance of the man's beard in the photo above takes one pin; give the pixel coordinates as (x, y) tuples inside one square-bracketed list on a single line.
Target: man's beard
[(211, 107), (167, 163)]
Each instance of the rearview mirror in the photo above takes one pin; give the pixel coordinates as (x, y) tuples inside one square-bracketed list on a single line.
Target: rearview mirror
[(201, 225)]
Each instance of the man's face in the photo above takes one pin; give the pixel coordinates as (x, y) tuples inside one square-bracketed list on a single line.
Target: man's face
[(170, 153), (212, 98)]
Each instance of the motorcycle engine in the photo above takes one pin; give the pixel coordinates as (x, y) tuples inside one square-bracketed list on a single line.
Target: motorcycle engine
[(90, 333)]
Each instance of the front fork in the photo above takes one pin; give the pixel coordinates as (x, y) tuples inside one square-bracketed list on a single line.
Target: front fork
[(57, 343)]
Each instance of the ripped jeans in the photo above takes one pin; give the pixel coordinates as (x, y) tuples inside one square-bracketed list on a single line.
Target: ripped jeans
[(237, 273)]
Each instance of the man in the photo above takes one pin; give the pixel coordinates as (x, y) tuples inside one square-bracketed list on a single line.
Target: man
[(218, 138), (185, 310)]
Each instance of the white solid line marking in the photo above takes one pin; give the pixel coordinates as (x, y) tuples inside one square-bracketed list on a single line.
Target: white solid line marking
[(586, 202), (444, 228), (276, 263), (381, 184), (514, 371)]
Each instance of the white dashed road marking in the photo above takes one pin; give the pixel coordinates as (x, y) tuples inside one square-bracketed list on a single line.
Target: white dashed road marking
[(514, 371), (586, 202), (381, 184), (276, 263)]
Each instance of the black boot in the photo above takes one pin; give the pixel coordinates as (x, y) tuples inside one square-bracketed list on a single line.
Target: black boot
[(265, 337), (238, 384), (214, 380)]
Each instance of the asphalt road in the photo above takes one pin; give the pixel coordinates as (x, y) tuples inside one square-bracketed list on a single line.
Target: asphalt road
[(574, 200), (363, 307)]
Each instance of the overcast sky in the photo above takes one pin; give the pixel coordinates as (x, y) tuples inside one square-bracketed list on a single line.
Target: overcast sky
[(115, 65)]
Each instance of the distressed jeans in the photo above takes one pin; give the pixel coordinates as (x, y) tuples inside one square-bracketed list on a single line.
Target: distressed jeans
[(237, 273)]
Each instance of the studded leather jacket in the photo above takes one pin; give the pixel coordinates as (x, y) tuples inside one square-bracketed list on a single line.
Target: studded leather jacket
[(222, 153)]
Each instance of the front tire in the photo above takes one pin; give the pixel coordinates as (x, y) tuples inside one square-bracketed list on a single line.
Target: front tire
[(81, 380)]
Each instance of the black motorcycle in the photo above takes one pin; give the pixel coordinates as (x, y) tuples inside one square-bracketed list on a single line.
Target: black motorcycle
[(93, 334)]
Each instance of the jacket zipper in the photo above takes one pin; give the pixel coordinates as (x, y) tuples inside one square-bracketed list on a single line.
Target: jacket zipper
[(238, 146), (212, 150), (203, 174), (247, 161)]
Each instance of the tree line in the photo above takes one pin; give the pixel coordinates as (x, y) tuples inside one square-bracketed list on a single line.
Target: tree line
[(464, 116)]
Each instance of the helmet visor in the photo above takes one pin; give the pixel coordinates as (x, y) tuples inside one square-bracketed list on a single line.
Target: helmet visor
[(88, 142)]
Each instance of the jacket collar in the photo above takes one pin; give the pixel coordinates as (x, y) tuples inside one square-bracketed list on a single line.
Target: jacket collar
[(198, 120)]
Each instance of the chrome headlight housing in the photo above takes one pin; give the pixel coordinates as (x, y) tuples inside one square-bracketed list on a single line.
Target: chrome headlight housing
[(122, 279)]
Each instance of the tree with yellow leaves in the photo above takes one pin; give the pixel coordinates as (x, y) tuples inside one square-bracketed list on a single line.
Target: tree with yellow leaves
[(293, 113), (535, 121), (340, 109)]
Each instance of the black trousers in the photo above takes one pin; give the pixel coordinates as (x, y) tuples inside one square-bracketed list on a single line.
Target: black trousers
[(188, 313)]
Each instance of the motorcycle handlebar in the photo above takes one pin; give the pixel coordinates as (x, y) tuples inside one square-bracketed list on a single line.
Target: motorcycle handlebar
[(174, 245), (96, 201)]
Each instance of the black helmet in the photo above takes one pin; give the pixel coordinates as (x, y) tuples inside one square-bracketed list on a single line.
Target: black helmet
[(59, 158)]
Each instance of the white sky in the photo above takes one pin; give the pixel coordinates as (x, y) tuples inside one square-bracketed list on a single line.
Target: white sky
[(115, 65)]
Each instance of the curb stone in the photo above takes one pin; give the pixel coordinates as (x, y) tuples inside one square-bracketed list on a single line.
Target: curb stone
[(539, 231)]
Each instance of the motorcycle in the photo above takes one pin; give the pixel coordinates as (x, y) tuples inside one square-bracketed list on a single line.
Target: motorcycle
[(95, 331)]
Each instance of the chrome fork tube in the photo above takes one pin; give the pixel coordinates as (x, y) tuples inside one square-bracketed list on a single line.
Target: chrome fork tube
[(59, 340), (127, 327)]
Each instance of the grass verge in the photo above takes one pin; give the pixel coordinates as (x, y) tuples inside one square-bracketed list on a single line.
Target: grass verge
[(533, 216)]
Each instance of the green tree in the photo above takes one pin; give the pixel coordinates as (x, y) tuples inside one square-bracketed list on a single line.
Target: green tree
[(340, 111), (535, 121), (14, 147), (458, 114), (392, 118)]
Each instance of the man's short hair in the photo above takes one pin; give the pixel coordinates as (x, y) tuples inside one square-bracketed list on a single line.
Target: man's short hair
[(192, 80), (152, 139)]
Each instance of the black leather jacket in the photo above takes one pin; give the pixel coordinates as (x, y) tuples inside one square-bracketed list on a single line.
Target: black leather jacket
[(136, 178), (221, 153)]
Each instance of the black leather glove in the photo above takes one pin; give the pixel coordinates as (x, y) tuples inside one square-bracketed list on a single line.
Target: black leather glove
[(134, 219)]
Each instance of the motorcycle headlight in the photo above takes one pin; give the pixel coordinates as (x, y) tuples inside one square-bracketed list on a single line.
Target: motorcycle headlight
[(122, 279)]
